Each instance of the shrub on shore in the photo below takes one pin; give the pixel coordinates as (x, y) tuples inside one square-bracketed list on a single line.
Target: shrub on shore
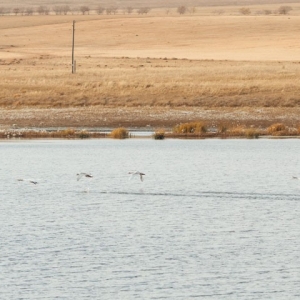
[(222, 128), (119, 133), (277, 129), (236, 131), (252, 133), (241, 131), (191, 127), (83, 134), (69, 132), (159, 134)]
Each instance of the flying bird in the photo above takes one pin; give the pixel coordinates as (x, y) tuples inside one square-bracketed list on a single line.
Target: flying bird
[(29, 180), (80, 175), (136, 173)]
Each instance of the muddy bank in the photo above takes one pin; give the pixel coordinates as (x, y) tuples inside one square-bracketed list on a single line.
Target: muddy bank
[(144, 117)]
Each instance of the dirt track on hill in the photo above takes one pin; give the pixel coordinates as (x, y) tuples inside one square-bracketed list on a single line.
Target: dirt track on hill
[(155, 117)]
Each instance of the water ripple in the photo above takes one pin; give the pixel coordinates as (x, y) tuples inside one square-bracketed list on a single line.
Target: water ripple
[(227, 229)]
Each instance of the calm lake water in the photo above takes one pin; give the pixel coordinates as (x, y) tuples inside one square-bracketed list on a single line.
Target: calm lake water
[(213, 219)]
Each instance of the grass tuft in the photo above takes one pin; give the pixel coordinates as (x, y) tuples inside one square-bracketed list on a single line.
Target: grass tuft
[(119, 133), (83, 135), (191, 127), (252, 133), (159, 134), (241, 131), (277, 129), (222, 128), (69, 132), (236, 131)]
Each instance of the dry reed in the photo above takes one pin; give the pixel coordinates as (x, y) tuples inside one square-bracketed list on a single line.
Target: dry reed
[(159, 134), (63, 134), (119, 133), (190, 128), (277, 129), (252, 133)]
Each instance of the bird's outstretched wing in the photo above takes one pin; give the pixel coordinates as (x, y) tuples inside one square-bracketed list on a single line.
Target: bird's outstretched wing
[(28, 180), (134, 173), (80, 175), (141, 176)]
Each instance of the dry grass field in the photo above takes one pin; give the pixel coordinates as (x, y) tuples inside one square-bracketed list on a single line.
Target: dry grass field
[(195, 65)]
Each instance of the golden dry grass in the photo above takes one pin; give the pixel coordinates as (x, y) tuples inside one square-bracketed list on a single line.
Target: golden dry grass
[(47, 82), (159, 134), (278, 129), (242, 131), (232, 132), (171, 61), (191, 127), (62, 134), (231, 37), (119, 133)]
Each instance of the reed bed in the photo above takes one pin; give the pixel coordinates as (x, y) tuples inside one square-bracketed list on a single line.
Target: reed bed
[(275, 130), (223, 131), (63, 134), (244, 132), (190, 128), (280, 129)]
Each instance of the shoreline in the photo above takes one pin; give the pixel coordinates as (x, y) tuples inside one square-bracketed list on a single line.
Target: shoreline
[(99, 121)]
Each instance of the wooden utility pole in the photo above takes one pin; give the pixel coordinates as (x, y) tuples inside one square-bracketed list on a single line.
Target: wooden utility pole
[(73, 60)]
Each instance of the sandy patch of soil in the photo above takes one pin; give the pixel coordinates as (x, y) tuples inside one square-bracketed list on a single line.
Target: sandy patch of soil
[(103, 117)]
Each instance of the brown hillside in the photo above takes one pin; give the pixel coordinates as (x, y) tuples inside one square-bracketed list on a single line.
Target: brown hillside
[(201, 60)]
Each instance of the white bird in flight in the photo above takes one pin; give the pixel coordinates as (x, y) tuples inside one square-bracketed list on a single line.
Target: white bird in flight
[(80, 175), (29, 180), (294, 177), (135, 173)]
